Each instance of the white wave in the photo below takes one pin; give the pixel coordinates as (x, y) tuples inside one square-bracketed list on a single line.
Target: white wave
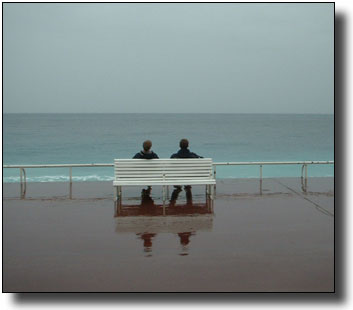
[(60, 178), (95, 177)]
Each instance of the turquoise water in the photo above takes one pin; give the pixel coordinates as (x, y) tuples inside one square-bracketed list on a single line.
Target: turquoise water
[(99, 138)]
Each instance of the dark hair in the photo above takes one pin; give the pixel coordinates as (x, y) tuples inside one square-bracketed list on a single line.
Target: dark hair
[(147, 145), (184, 143)]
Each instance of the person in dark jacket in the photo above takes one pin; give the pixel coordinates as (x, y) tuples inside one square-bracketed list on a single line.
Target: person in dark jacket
[(146, 153), (184, 152)]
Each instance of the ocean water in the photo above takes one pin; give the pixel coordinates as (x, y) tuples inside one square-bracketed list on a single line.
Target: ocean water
[(99, 138)]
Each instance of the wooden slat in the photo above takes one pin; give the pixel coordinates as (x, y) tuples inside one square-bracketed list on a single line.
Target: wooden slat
[(167, 178), (160, 161), (136, 176), (153, 164), (167, 182), (163, 159), (163, 171), (146, 165), (168, 168), (135, 172)]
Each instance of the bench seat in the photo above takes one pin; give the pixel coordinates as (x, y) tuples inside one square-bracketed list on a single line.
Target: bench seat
[(164, 182), (163, 172)]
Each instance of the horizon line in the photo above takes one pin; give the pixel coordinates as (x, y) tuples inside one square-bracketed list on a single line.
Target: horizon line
[(280, 113)]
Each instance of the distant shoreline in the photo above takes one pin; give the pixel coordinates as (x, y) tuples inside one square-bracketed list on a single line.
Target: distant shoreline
[(163, 113)]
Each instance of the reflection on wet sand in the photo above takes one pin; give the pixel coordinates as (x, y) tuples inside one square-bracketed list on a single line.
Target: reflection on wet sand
[(148, 219)]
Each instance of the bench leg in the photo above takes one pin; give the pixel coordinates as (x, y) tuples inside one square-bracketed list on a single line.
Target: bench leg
[(163, 194), (117, 205), (212, 191), (116, 193), (117, 200), (209, 204), (120, 194), (208, 190)]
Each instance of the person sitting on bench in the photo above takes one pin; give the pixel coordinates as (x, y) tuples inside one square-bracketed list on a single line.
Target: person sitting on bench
[(184, 152), (146, 153)]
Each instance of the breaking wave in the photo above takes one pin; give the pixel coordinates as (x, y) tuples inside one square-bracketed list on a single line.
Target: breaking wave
[(60, 178), (95, 177)]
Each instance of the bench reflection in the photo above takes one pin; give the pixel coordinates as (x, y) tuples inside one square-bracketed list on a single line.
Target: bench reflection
[(148, 219)]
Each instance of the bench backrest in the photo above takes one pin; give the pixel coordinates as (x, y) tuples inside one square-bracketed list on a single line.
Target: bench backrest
[(163, 169)]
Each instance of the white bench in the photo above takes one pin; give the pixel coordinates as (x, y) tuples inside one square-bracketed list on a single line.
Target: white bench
[(164, 172)]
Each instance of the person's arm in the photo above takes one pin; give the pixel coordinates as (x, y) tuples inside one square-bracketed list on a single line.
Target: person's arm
[(137, 156), (194, 155), (155, 155)]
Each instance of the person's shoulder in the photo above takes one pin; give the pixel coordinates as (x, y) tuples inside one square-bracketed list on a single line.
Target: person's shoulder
[(137, 155), (154, 155), (175, 155)]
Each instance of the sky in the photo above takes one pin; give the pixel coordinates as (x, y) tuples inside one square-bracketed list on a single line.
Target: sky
[(168, 58)]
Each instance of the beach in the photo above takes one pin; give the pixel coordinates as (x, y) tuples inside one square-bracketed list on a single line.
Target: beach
[(279, 239)]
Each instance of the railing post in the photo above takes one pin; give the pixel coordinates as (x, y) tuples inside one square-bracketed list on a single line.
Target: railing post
[(260, 179), (163, 194), (215, 175), (70, 182), (261, 172), (306, 177), (21, 182), (24, 183)]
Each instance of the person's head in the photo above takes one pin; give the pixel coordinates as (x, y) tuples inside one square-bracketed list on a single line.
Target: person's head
[(147, 145), (184, 143)]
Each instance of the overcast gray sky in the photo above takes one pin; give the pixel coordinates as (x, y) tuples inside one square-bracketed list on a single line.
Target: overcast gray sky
[(161, 58)]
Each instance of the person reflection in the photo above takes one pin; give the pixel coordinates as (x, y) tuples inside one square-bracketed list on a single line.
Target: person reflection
[(184, 236), (147, 241), (184, 241), (147, 208)]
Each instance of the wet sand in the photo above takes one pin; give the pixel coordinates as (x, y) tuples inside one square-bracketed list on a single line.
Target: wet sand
[(279, 241)]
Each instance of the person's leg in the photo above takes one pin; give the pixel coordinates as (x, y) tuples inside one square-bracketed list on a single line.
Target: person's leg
[(175, 195), (188, 194)]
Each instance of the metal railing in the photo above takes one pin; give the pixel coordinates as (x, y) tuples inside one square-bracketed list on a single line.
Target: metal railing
[(304, 169), (304, 178), (23, 181)]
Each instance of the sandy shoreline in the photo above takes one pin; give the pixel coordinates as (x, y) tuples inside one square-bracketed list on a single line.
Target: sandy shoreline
[(282, 240)]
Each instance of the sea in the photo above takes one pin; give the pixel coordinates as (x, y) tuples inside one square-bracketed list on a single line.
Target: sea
[(30, 139)]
